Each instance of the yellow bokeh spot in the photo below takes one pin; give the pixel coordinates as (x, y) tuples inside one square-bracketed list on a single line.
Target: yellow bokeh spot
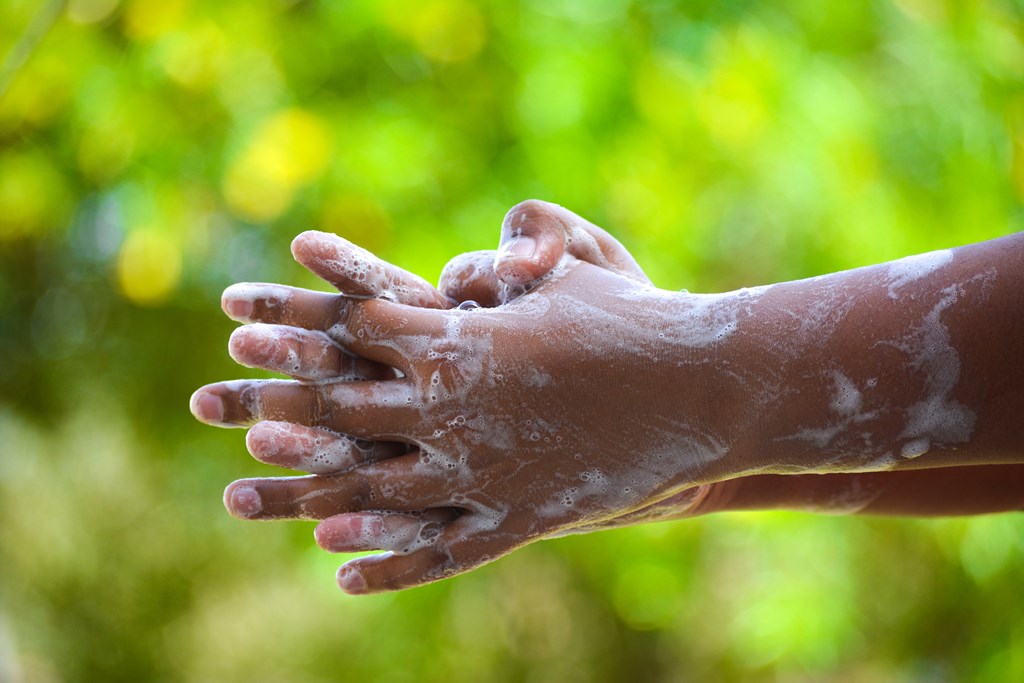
[(288, 150), (148, 266), (32, 194), (147, 19), (254, 195), (105, 149), (448, 31), (39, 95), (194, 59)]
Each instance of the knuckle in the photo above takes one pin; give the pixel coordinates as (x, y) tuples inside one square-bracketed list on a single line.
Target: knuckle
[(363, 491), (342, 309), (322, 407)]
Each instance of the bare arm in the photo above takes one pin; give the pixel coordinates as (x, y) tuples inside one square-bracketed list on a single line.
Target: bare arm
[(912, 364), (596, 396)]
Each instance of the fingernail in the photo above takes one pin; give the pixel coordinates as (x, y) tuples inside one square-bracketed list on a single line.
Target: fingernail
[(518, 247), (207, 407), (351, 580), (245, 502), (238, 309)]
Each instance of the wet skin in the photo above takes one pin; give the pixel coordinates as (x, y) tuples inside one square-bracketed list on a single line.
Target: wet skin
[(553, 414)]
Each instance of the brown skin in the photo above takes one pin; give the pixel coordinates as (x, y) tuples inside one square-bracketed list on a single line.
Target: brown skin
[(489, 505)]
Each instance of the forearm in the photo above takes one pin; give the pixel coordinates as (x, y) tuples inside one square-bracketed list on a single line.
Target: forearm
[(912, 364), (935, 492)]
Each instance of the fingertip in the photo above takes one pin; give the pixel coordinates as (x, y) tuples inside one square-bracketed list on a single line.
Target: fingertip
[(533, 240), (315, 244), (238, 344), (236, 303), (322, 535), (242, 500), (301, 242), (206, 406), (331, 533), (260, 437), (528, 210), (351, 580), (239, 300)]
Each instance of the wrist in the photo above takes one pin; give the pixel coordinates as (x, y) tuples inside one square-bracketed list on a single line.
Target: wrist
[(698, 388)]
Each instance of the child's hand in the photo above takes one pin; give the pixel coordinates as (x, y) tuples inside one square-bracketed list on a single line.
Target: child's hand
[(519, 418), (594, 398), (289, 328)]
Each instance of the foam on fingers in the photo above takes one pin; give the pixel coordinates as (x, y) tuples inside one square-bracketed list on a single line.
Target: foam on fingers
[(358, 273), (397, 533), (305, 354), (242, 301), (316, 451)]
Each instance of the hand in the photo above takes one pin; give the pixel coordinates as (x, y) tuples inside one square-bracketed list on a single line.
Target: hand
[(289, 329), (699, 323), (468, 417)]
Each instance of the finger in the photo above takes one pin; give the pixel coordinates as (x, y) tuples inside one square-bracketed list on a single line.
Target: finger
[(251, 302), (399, 484), (458, 549), (401, 533), (536, 234), (303, 308), (471, 277), (371, 410), (312, 450), (303, 354), (390, 333), (356, 272), (682, 505)]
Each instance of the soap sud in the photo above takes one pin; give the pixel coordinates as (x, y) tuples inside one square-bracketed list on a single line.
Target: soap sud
[(938, 418), (935, 420), (853, 499), (847, 399), (913, 268), (915, 448), (279, 350), (249, 394), (399, 534), (379, 279), (273, 296), (319, 451), (848, 403)]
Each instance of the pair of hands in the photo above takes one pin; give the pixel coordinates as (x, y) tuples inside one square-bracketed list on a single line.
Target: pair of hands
[(450, 426), (573, 395)]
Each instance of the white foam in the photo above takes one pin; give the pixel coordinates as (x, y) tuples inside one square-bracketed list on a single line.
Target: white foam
[(847, 399), (938, 418), (913, 268), (915, 448), (273, 296), (377, 278)]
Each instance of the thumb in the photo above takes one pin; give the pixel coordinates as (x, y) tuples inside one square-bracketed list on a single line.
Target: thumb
[(536, 234), (471, 277)]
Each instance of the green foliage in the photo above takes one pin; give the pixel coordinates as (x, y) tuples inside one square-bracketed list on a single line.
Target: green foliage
[(154, 151)]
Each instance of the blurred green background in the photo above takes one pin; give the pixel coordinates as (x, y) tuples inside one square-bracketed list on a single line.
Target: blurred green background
[(154, 151)]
